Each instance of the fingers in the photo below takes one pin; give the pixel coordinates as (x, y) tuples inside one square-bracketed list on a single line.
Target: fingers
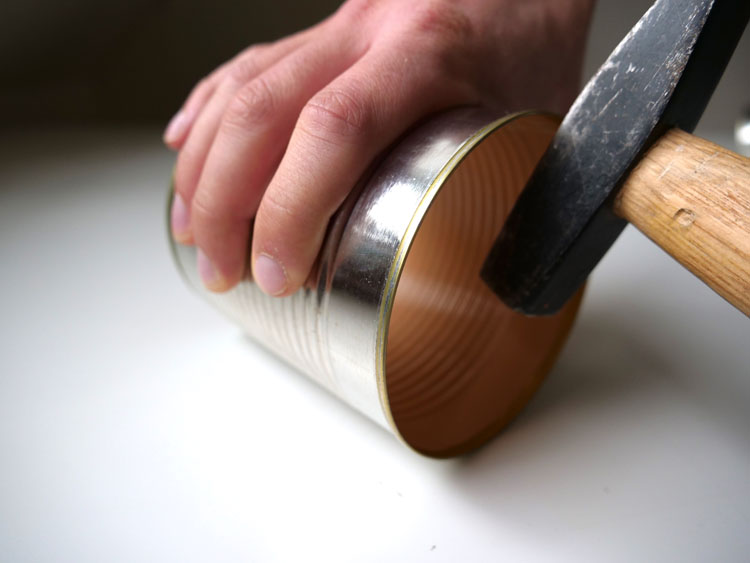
[(338, 133), (193, 128), (282, 132), (247, 148), (179, 126)]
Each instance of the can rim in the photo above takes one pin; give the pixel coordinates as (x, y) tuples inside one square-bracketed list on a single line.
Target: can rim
[(394, 275)]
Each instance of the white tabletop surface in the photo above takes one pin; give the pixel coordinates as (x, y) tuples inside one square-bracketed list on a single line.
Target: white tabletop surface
[(136, 424)]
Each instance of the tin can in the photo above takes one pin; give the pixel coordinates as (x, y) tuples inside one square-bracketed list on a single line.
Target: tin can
[(396, 320)]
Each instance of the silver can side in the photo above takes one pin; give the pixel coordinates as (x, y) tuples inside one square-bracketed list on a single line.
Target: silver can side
[(396, 288), (374, 245), (333, 329)]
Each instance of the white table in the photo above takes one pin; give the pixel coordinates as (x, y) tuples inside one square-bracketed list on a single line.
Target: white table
[(136, 424)]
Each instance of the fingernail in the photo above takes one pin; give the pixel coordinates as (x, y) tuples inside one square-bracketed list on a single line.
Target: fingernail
[(210, 276), (180, 218), (269, 275), (176, 128)]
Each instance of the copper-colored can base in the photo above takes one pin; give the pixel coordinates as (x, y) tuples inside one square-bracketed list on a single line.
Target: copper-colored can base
[(399, 323), (459, 364)]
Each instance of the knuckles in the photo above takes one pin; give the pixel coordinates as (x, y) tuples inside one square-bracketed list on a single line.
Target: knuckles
[(358, 11), (434, 32), (282, 217), (278, 205), (334, 114), (443, 21), (254, 102), (441, 35), (246, 64), (204, 212)]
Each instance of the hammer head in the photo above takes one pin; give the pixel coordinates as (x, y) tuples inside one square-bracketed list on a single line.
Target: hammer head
[(660, 76)]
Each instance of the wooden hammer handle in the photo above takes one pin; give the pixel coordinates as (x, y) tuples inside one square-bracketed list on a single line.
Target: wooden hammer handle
[(692, 198)]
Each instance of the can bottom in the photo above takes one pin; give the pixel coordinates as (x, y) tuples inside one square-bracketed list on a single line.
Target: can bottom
[(460, 364)]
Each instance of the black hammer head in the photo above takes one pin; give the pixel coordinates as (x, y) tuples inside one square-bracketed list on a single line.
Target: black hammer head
[(660, 76)]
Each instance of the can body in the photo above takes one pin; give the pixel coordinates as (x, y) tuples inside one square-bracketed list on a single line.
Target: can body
[(395, 320)]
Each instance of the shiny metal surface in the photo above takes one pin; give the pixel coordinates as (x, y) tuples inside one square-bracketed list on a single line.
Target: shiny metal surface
[(337, 330)]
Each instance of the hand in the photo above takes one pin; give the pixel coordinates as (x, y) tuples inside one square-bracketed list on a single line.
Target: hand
[(281, 133)]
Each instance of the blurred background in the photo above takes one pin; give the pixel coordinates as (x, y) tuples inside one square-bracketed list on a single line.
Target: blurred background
[(135, 61)]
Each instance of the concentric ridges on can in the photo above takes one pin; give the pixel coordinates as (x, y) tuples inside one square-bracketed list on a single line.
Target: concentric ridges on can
[(292, 326), (432, 379)]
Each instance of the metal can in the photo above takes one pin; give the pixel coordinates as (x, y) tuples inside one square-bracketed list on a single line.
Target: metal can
[(395, 319)]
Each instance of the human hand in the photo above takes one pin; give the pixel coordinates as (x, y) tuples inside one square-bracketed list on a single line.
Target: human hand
[(276, 138)]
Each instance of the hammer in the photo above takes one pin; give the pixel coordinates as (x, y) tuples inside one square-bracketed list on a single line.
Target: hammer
[(623, 154)]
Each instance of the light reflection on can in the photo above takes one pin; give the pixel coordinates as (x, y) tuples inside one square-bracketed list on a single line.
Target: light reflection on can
[(397, 321)]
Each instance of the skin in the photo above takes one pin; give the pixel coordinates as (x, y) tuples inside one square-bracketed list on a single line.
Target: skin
[(274, 139)]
